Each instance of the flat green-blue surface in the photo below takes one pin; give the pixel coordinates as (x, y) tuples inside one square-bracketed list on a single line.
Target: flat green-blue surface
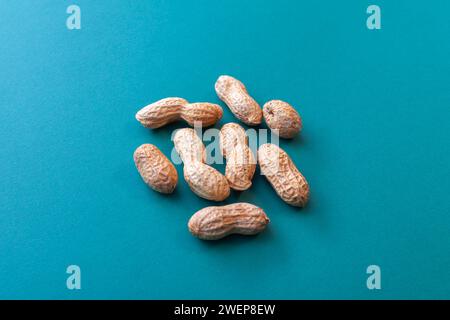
[(375, 148)]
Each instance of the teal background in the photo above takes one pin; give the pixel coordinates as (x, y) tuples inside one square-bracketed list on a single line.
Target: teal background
[(375, 148)]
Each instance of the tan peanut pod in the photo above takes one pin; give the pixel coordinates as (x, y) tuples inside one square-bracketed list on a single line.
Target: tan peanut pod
[(241, 163), (235, 95), (155, 169), (169, 110), (213, 223), (189, 146), (161, 112), (204, 181), (283, 175), (203, 113), (281, 117)]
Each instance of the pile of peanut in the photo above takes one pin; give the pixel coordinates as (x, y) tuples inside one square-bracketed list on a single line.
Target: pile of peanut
[(216, 222)]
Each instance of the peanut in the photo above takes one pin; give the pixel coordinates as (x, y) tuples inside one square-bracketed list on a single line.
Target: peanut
[(281, 117), (155, 169), (241, 163), (205, 181), (283, 175), (168, 110), (235, 95), (213, 223)]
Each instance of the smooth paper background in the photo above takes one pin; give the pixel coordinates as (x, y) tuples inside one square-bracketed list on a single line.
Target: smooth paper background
[(375, 148)]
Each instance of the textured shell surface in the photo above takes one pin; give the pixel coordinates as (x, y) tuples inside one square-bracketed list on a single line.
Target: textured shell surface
[(205, 181), (283, 118), (216, 222), (203, 113), (235, 95), (240, 168), (161, 112), (241, 163), (231, 135), (283, 175), (168, 110), (155, 168), (189, 145)]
